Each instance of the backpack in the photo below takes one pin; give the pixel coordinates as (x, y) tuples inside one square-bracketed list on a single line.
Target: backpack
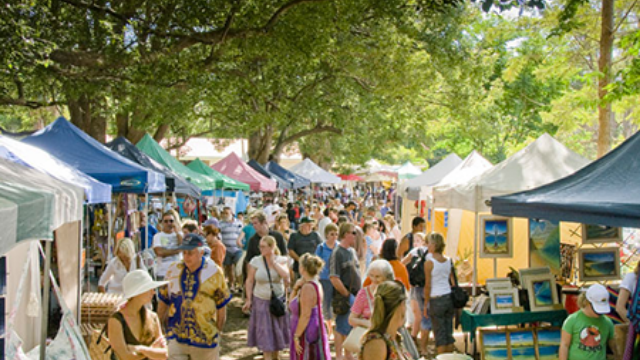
[(416, 269)]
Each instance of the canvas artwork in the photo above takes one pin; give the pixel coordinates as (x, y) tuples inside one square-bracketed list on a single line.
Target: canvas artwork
[(548, 343), (542, 292), (522, 345), (599, 264), (496, 238), (498, 284), (568, 254), (493, 345), (503, 301), (525, 273), (597, 234), (544, 244)]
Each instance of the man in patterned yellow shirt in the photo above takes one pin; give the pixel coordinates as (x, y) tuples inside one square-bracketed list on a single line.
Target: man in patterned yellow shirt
[(194, 301)]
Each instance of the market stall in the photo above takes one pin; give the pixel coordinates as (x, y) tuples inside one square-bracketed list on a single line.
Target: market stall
[(310, 170), (233, 167), (282, 183), (295, 180), (222, 181)]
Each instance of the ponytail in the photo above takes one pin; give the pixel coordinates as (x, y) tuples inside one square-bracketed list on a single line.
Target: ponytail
[(388, 297)]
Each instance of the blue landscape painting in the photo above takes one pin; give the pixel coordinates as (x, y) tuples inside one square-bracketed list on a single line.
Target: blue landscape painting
[(542, 293), (544, 244), (496, 354), (549, 337), (523, 353), (599, 264), (496, 237), (549, 352), (504, 301), (521, 338), (494, 339)]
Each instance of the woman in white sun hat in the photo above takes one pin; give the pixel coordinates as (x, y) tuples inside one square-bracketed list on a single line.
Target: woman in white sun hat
[(587, 332), (134, 331)]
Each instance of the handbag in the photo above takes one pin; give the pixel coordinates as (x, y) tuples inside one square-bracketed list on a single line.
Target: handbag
[(459, 297), (353, 342), (276, 304)]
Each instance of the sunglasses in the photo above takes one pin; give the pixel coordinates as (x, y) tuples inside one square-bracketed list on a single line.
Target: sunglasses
[(168, 221)]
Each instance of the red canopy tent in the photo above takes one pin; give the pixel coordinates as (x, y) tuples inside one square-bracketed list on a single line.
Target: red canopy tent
[(235, 168), (351, 177)]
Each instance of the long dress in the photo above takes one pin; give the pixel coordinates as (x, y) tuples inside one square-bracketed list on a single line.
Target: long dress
[(315, 342)]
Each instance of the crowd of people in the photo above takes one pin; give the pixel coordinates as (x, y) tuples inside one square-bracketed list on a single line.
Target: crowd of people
[(331, 271)]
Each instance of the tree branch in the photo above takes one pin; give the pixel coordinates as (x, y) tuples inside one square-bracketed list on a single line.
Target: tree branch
[(625, 16), (28, 103), (315, 130), (283, 9)]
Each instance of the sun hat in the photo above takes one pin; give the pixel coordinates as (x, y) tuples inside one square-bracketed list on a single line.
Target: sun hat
[(138, 282), (598, 296), (191, 241)]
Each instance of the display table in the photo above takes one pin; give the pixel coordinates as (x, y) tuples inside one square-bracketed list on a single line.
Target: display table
[(470, 322)]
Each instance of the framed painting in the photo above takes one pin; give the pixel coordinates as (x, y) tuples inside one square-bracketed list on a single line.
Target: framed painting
[(522, 344), (598, 234), (498, 284), (544, 244), (548, 343), (496, 240), (493, 345), (599, 264), (542, 292), (503, 301), (525, 273)]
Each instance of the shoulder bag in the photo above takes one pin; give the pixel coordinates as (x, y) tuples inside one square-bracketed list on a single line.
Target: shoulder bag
[(354, 340), (459, 297), (276, 304)]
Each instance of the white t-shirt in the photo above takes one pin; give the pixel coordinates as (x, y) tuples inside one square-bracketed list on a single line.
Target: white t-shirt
[(115, 272), (321, 225), (261, 288), (168, 241), (629, 282)]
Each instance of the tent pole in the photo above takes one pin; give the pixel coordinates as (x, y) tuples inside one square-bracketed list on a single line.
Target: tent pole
[(83, 222), (109, 230), (45, 300), (475, 252), (146, 222)]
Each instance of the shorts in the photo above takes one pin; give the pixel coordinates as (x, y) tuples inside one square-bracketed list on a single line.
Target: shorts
[(231, 257), (327, 288), (342, 321), (417, 293), (441, 313)]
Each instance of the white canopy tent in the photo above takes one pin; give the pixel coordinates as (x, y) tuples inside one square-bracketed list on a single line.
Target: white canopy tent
[(310, 170), (411, 188), (541, 162), (408, 171)]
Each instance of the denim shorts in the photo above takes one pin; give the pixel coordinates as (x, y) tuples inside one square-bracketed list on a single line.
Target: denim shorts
[(417, 293), (327, 288), (342, 321), (441, 312), (231, 257)]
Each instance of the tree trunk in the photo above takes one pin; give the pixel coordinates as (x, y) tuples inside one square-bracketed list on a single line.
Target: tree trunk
[(604, 66), (161, 132), (84, 117), (260, 145)]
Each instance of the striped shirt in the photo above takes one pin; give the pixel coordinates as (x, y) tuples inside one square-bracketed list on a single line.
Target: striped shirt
[(229, 232)]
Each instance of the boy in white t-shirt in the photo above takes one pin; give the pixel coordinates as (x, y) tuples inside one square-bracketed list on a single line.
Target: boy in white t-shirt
[(165, 243)]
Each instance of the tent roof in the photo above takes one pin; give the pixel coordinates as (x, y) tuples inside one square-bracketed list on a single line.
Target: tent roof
[(605, 192), (282, 183), (310, 170), (150, 147), (19, 183), (473, 165), (235, 168), (297, 181), (69, 144), (408, 171), (19, 205), (95, 191), (541, 162), (430, 176), (222, 181), (350, 177), (174, 182)]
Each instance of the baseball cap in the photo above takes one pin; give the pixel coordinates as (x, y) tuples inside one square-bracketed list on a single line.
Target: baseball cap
[(306, 220), (191, 241), (598, 296), (211, 221)]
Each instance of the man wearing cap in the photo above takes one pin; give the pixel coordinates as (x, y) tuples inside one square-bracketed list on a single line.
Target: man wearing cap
[(305, 241), (587, 332), (194, 301)]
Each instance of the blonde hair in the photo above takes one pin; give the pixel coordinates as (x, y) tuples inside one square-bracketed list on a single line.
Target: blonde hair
[(260, 216), (438, 240), (345, 229), (312, 264), (329, 228), (271, 241), (125, 246), (389, 296), (582, 300), (392, 222)]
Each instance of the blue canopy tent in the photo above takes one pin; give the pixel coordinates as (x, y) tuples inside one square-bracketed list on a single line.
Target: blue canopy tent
[(175, 183), (282, 183), (69, 144), (605, 192), (95, 192), (295, 180)]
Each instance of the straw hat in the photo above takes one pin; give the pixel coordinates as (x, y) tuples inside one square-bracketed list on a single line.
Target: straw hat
[(138, 282)]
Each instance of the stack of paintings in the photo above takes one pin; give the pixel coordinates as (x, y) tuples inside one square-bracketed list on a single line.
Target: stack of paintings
[(520, 344)]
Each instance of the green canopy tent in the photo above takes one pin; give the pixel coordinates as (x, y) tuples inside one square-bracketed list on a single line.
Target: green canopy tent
[(222, 181), (150, 147)]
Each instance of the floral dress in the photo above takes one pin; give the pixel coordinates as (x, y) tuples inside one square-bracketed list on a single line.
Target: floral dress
[(395, 350)]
